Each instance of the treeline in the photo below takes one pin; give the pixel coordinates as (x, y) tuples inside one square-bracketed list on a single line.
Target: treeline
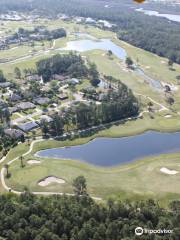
[(28, 217), (71, 65), (44, 34)]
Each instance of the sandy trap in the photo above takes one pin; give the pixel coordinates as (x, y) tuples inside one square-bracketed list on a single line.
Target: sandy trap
[(31, 162), (168, 171), (168, 116), (51, 179)]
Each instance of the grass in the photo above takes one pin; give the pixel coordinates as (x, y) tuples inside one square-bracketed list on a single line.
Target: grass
[(141, 179)]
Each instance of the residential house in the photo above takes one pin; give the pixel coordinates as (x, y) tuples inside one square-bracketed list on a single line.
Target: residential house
[(14, 133), (28, 126), (5, 84), (25, 106), (15, 97), (42, 100)]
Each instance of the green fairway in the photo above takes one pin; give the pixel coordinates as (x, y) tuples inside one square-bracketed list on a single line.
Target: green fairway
[(141, 179)]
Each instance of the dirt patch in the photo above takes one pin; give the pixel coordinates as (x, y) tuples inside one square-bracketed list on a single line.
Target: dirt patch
[(49, 180)]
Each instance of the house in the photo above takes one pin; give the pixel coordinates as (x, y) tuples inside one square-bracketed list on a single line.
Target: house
[(46, 118), (63, 96), (14, 133), (34, 77), (25, 106), (90, 20), (3, 104), (27, 127), (15, 98), (13, 110), (5, 84), (58, 77), (41, 100), (74, 81)]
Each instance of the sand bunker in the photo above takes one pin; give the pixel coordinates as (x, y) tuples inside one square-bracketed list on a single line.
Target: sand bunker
[(168, 116), (46, 181), (168, 171), (31, 162)]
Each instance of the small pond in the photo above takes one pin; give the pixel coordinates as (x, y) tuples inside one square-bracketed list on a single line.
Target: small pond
[(92, 44), (109, 152)]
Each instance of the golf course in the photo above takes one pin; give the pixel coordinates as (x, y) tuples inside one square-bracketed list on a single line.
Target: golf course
[(150, 177)]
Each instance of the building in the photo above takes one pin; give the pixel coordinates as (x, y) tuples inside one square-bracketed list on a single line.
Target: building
[(15, 98), (13, 110), (5, 84), (34, 77), (63, 96), (41, 100), (25, 106), (14, 133), (46, 118), (27, 127), (3, 104), (58, 77), (74, 81)]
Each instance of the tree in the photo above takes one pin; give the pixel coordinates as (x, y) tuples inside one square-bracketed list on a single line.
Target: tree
[(94, 75), (17, 73), (79, 185), (2, 77), (57, 125), (21, 160), (109, 53), (6, 166), (44, 127), (129, 62), (170, 63), (170, 100)]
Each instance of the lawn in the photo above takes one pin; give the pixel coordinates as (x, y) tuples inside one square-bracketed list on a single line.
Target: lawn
[(141, 179)]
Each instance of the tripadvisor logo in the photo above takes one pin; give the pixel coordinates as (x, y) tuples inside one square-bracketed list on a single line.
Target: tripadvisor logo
[(140, 231)]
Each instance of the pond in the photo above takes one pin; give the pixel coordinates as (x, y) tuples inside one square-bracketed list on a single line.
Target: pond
[(171, 17), (109, 152), (92, 44)]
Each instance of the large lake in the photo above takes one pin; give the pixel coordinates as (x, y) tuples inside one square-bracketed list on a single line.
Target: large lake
[(171, 17), (108, 152)]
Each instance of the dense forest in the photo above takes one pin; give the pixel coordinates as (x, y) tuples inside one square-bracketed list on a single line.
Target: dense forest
[(28, 217), (154, 34)]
